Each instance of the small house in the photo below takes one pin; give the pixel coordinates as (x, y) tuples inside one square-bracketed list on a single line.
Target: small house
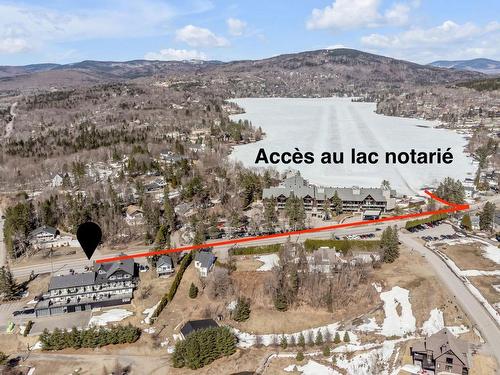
[(164, 266), (204, 262), (134, 215), (196, 325)]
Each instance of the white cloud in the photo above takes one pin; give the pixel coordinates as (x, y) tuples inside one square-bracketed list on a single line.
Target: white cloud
[(350, 14), (448, 40), (169, 54), (38, 26), (200, 37), (345, 14), (236, 26), (13, 45)]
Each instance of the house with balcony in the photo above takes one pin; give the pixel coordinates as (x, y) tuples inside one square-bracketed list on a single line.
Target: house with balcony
[(443, 353), (108, 284)]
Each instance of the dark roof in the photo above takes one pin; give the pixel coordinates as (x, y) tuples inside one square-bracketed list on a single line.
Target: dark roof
[(442, 342), (205, 258), (164, 259), (45, 228), (71, 281), (125, 265), (195, 325)]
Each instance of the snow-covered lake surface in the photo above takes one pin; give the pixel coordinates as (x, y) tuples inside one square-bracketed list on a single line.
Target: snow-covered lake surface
[(337, 124)]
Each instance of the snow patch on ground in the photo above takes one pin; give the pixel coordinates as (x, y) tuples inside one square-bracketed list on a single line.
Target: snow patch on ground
[(458, 330), (149, 313), (434, 324), (394, 323), (312, 368), (412, 369), (113, 315), (369, 326), (480, 273), (492, 252), (246, 340), (232, 305), (37, 346), (149, 330), (269, 260), (377, 287), (371, 362)]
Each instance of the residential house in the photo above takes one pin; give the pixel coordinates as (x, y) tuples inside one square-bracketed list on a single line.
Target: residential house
[(442, 352), (108, 284), (196, 325), (325, 260), (47, 237), (315, 198), (56, 181), (204, 262), (134, 215), (164, 266)]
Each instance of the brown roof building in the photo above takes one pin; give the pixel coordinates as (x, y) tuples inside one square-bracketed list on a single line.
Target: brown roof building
[(442, 352)]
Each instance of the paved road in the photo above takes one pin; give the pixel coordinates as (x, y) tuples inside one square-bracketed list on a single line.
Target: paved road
[(469, 304)]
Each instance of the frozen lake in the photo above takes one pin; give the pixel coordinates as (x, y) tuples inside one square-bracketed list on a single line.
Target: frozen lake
[(337, 124)]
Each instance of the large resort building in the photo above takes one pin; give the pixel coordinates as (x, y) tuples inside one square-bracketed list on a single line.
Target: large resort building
[(109, 284), (314, 197)]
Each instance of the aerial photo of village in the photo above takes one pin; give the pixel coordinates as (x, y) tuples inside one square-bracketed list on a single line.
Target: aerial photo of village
[(165, 207)]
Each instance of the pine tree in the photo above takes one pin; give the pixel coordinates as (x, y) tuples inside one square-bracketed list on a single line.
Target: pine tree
[(162, 238), (346, 337), (389, 244), (8, 286), (292, 341), (283, 342), (328, 335), (242, 310), (299, 357), (168, 212), (302, 341), (486, 216), (193, 291), (280, 301), (310, 338), (319, 338), (337, 203), (336, 340), (326, 351)]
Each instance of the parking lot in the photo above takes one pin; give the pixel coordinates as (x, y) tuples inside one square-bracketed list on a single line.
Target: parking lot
[(437, 232), (6, 310)]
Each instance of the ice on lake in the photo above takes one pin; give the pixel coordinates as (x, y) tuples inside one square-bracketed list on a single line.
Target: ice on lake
[(338, 124)]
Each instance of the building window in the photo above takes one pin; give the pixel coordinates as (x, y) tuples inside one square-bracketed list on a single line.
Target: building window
[(449, 360)]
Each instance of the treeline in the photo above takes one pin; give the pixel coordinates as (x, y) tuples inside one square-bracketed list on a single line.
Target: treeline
[(431, 219), (490, 84), (89, 338), (175, 284), (253, 250), (203, 347), (342, 246)]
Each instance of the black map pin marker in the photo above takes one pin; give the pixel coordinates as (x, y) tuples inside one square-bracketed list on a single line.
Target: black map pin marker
[(89, 235)]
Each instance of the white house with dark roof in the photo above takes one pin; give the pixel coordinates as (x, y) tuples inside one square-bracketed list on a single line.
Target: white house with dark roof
[(164, 266), (314, 198), (204, 261), (109, 284)]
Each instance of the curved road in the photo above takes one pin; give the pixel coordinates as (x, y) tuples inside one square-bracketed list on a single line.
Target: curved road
[(470, 305)]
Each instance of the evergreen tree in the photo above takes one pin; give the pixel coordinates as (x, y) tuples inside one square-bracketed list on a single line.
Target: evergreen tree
[(310, 338), (294, 209), (292, 341), (327, 336), (270, 216), (300, 356), (389, 244), (486, 216), (466, 222), (193, 291), (319, 338), (346, 337), (336, 340), (283, 342), (162, 239), (242, 310), (302, 341), (168, 212), (326, 351), (8, 287), (451, 190), (337, 204), (280, 301)]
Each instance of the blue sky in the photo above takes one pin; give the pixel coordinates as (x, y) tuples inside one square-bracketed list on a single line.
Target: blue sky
[(416, 30)]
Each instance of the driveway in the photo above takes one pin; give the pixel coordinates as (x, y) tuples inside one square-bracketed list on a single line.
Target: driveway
[(483, 321)]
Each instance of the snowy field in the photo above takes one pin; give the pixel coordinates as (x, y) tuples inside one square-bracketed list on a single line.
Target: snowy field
[(109, 316), (337, 124), (269, 260)]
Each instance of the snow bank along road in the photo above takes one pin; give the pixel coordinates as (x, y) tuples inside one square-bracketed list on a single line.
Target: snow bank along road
[(470, 305)]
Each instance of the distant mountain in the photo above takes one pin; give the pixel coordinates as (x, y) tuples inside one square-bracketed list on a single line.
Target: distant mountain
[(310, 73), (486, 66)]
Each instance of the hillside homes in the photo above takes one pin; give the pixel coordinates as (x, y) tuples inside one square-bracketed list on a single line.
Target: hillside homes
[(314, 197), (109, 284)]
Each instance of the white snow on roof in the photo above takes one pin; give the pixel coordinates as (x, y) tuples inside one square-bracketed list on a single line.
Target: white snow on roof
[(113, 315), (434, 324), (269, 260), (312, 368), (394, 323)]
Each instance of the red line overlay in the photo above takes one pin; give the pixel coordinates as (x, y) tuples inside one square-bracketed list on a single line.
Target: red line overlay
[(452, 207)]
